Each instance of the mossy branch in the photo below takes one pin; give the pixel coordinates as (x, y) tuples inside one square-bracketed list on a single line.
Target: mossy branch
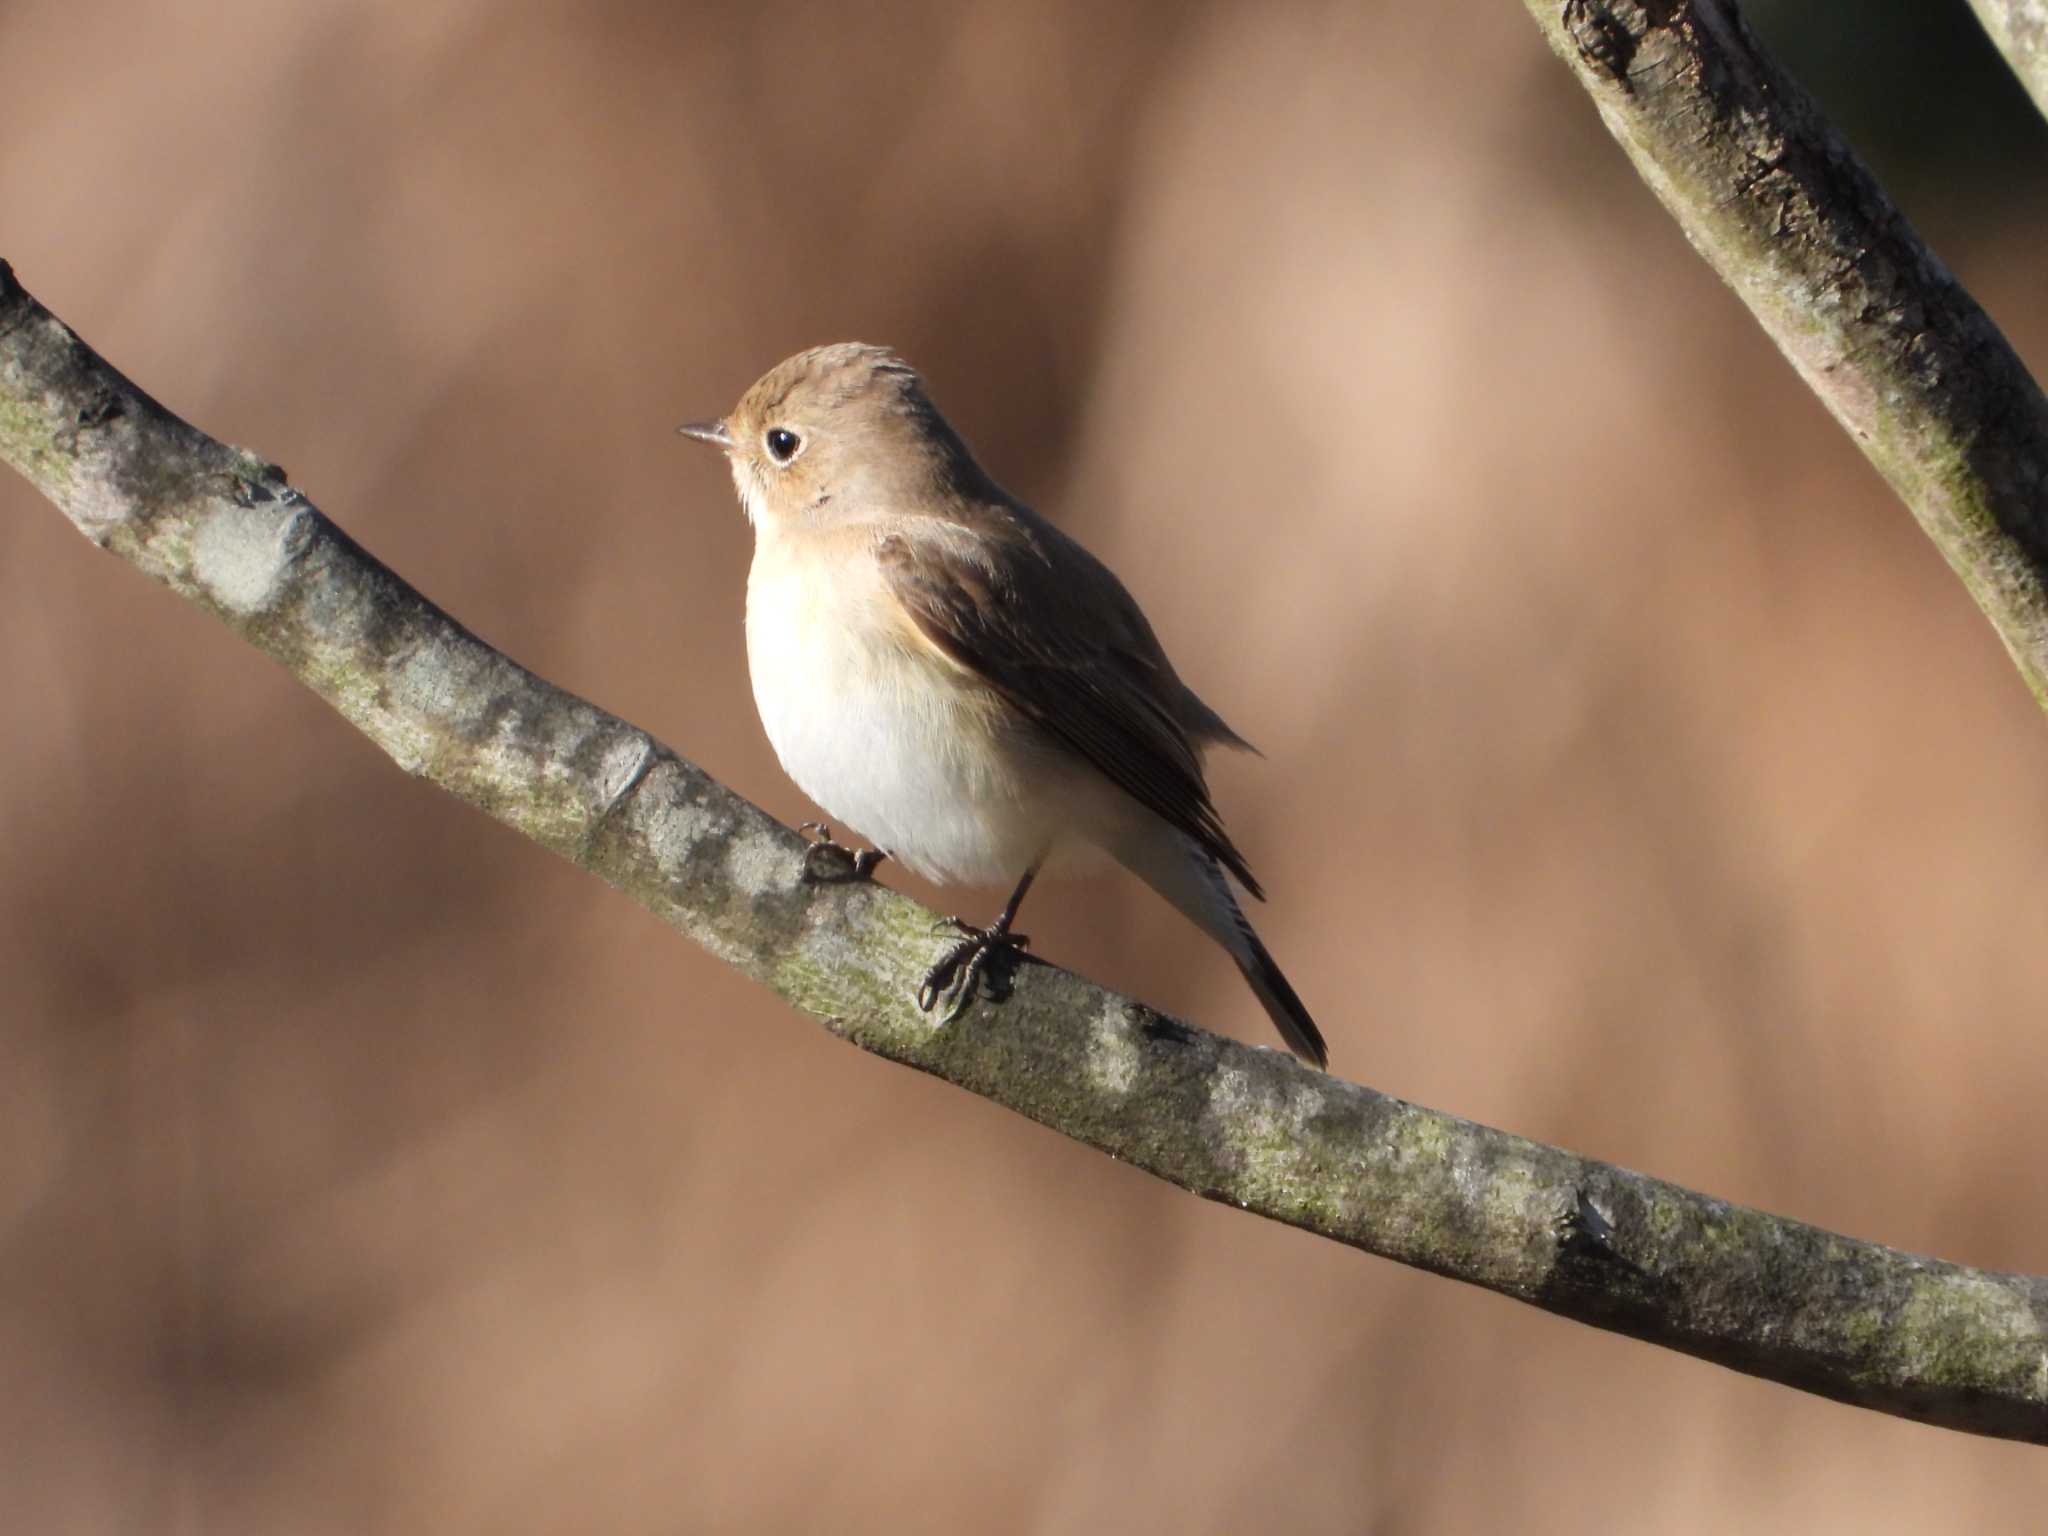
[(1794, 223), (1249, 1127), (2019, 30)]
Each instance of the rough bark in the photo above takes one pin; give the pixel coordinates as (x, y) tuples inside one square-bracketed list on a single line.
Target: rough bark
[(1249, 1127), (2019, 30), (1774, 200)]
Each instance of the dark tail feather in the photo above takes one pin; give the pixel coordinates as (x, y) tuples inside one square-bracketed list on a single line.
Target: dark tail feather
[(1281, 1004), (1187, 874)]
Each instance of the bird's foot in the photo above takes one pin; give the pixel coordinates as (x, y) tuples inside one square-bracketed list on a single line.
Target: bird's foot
[(830, 863), (982, 954)]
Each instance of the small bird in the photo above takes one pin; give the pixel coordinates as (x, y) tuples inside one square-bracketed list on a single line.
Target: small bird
[(957, 681)]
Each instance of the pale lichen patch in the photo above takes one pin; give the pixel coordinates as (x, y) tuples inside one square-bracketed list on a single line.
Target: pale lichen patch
[(240, 555), (1112, 1060), (1260, 1125), (96, 506), (1516, 1198), (677, 828), (757, 866), (443, 687), (1960, 1326)]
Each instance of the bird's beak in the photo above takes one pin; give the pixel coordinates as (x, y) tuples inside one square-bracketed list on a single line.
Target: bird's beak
[(714, 432)]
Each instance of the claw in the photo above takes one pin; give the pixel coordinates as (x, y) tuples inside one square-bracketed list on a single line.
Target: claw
[(959, 973), (829, 863), (960, 970)]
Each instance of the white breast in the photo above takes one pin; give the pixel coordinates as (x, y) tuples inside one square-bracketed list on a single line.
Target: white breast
[(891, 740)]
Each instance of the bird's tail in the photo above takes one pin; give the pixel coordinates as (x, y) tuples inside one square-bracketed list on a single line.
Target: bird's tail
[(1282, 1006), (1186, 874)]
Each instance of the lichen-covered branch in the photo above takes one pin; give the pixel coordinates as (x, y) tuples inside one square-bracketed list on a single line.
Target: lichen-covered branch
[(2019, 30), (1784, 211), (1250, 1127)]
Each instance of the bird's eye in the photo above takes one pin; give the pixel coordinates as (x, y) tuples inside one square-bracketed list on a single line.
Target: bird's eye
[(782, 444)]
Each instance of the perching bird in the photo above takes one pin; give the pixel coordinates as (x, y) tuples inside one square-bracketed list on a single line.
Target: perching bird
[(953, 678)]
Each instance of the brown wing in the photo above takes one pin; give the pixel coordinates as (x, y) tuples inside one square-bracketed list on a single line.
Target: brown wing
[(1048, 626)]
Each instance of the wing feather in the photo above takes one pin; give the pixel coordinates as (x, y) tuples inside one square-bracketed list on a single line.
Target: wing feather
[(1047, 626)]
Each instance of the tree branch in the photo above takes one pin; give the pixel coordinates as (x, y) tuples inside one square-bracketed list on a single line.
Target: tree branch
[(2019, 30), (1249, 1127), (1785, 212)]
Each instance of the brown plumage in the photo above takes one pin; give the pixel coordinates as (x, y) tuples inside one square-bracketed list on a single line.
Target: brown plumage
[(951, 676)]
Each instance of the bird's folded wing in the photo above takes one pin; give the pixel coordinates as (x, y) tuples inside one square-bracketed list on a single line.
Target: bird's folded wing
[(1068, 647)]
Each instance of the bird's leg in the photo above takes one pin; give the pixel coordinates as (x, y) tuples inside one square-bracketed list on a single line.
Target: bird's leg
[(830, 863), (959, 973)]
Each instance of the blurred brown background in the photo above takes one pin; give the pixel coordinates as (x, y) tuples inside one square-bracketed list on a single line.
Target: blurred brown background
[(1637, 777)]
